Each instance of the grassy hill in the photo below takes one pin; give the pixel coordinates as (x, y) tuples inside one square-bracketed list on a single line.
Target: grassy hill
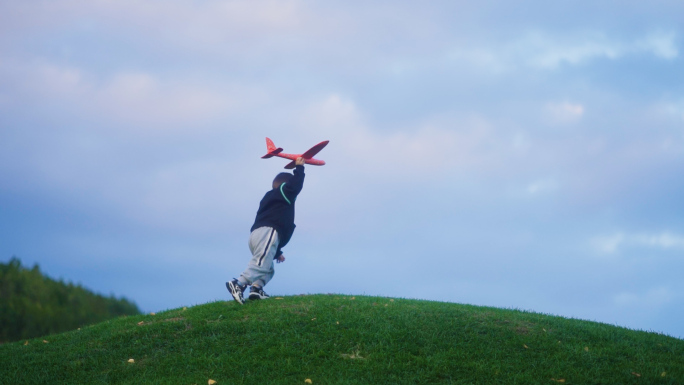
[(337, 339)]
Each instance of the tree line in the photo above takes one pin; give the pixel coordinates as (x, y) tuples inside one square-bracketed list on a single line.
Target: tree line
[(33, 304)]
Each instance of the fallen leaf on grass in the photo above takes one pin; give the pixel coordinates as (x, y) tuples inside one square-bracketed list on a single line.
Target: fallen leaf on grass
[(141, 323), (352, 298), (559, 380), (353, 356), (280, 298), (525, 346), (211, 382), (131, 361), (663, 374), (313, 319), (586, 348), (152, 314), (385, 305), (338, 322), (26, 343), (636, 374), (308, 381), (185, 308), (391, 300), (45, 341)]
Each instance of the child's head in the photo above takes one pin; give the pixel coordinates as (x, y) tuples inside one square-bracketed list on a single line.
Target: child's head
[(281, 178)]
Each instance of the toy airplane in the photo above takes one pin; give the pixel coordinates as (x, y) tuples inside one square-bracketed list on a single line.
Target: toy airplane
[(308, 155)]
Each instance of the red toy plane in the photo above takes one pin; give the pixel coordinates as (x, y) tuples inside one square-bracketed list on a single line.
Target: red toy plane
[(308, 155)]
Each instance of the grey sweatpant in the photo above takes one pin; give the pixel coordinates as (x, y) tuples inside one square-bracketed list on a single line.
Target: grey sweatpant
[(263, 243)]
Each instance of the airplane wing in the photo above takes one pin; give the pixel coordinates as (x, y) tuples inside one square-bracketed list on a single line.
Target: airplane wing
[(272, 153), (314, 150), (290, 165)]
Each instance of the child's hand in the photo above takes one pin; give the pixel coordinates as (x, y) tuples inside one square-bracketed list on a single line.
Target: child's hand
[(299, 161), (281, 258)]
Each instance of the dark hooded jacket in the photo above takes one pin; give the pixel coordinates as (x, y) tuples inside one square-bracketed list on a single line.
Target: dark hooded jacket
[(277, 208)]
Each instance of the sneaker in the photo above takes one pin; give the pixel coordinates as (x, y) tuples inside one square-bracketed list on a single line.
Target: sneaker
[(256, 292), (236, 290)]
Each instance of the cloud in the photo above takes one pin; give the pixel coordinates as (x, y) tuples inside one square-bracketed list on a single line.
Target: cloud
[(546, 52), (168, 18), (608, 244), (614, 243), (138, 146), (564, 112), (661, 44), (674, 109), (541, 50), (664, 240), (542, 186), (435, 146), (653, 298), (142, 99)]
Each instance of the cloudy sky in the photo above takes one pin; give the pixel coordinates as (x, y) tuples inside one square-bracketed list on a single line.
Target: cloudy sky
[(522, 154)]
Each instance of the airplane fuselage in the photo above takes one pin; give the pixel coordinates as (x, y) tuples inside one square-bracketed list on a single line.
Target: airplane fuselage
[(311, 161)]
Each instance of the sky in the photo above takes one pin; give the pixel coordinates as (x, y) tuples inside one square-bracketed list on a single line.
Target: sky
[(525, 155)]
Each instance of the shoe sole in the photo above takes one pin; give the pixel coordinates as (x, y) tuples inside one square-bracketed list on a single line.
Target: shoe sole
[(234, 291)]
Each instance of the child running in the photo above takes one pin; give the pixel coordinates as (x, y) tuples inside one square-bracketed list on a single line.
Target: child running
[(271, 231)]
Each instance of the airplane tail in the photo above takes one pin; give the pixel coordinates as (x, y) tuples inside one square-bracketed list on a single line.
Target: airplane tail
[(270, 145), (271, 148)]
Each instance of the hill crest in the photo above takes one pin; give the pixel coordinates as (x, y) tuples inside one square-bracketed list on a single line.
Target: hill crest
[(347, 339)]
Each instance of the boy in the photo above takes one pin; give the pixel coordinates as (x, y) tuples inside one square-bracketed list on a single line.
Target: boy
[(272, 229)]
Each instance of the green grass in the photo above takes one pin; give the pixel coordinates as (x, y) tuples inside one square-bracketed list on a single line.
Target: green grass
[(336, 339)]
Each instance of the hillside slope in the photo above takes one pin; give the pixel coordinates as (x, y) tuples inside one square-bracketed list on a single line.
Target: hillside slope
[(336, 339)]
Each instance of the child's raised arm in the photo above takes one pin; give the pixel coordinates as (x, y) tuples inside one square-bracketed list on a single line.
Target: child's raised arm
[(292, 187)]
